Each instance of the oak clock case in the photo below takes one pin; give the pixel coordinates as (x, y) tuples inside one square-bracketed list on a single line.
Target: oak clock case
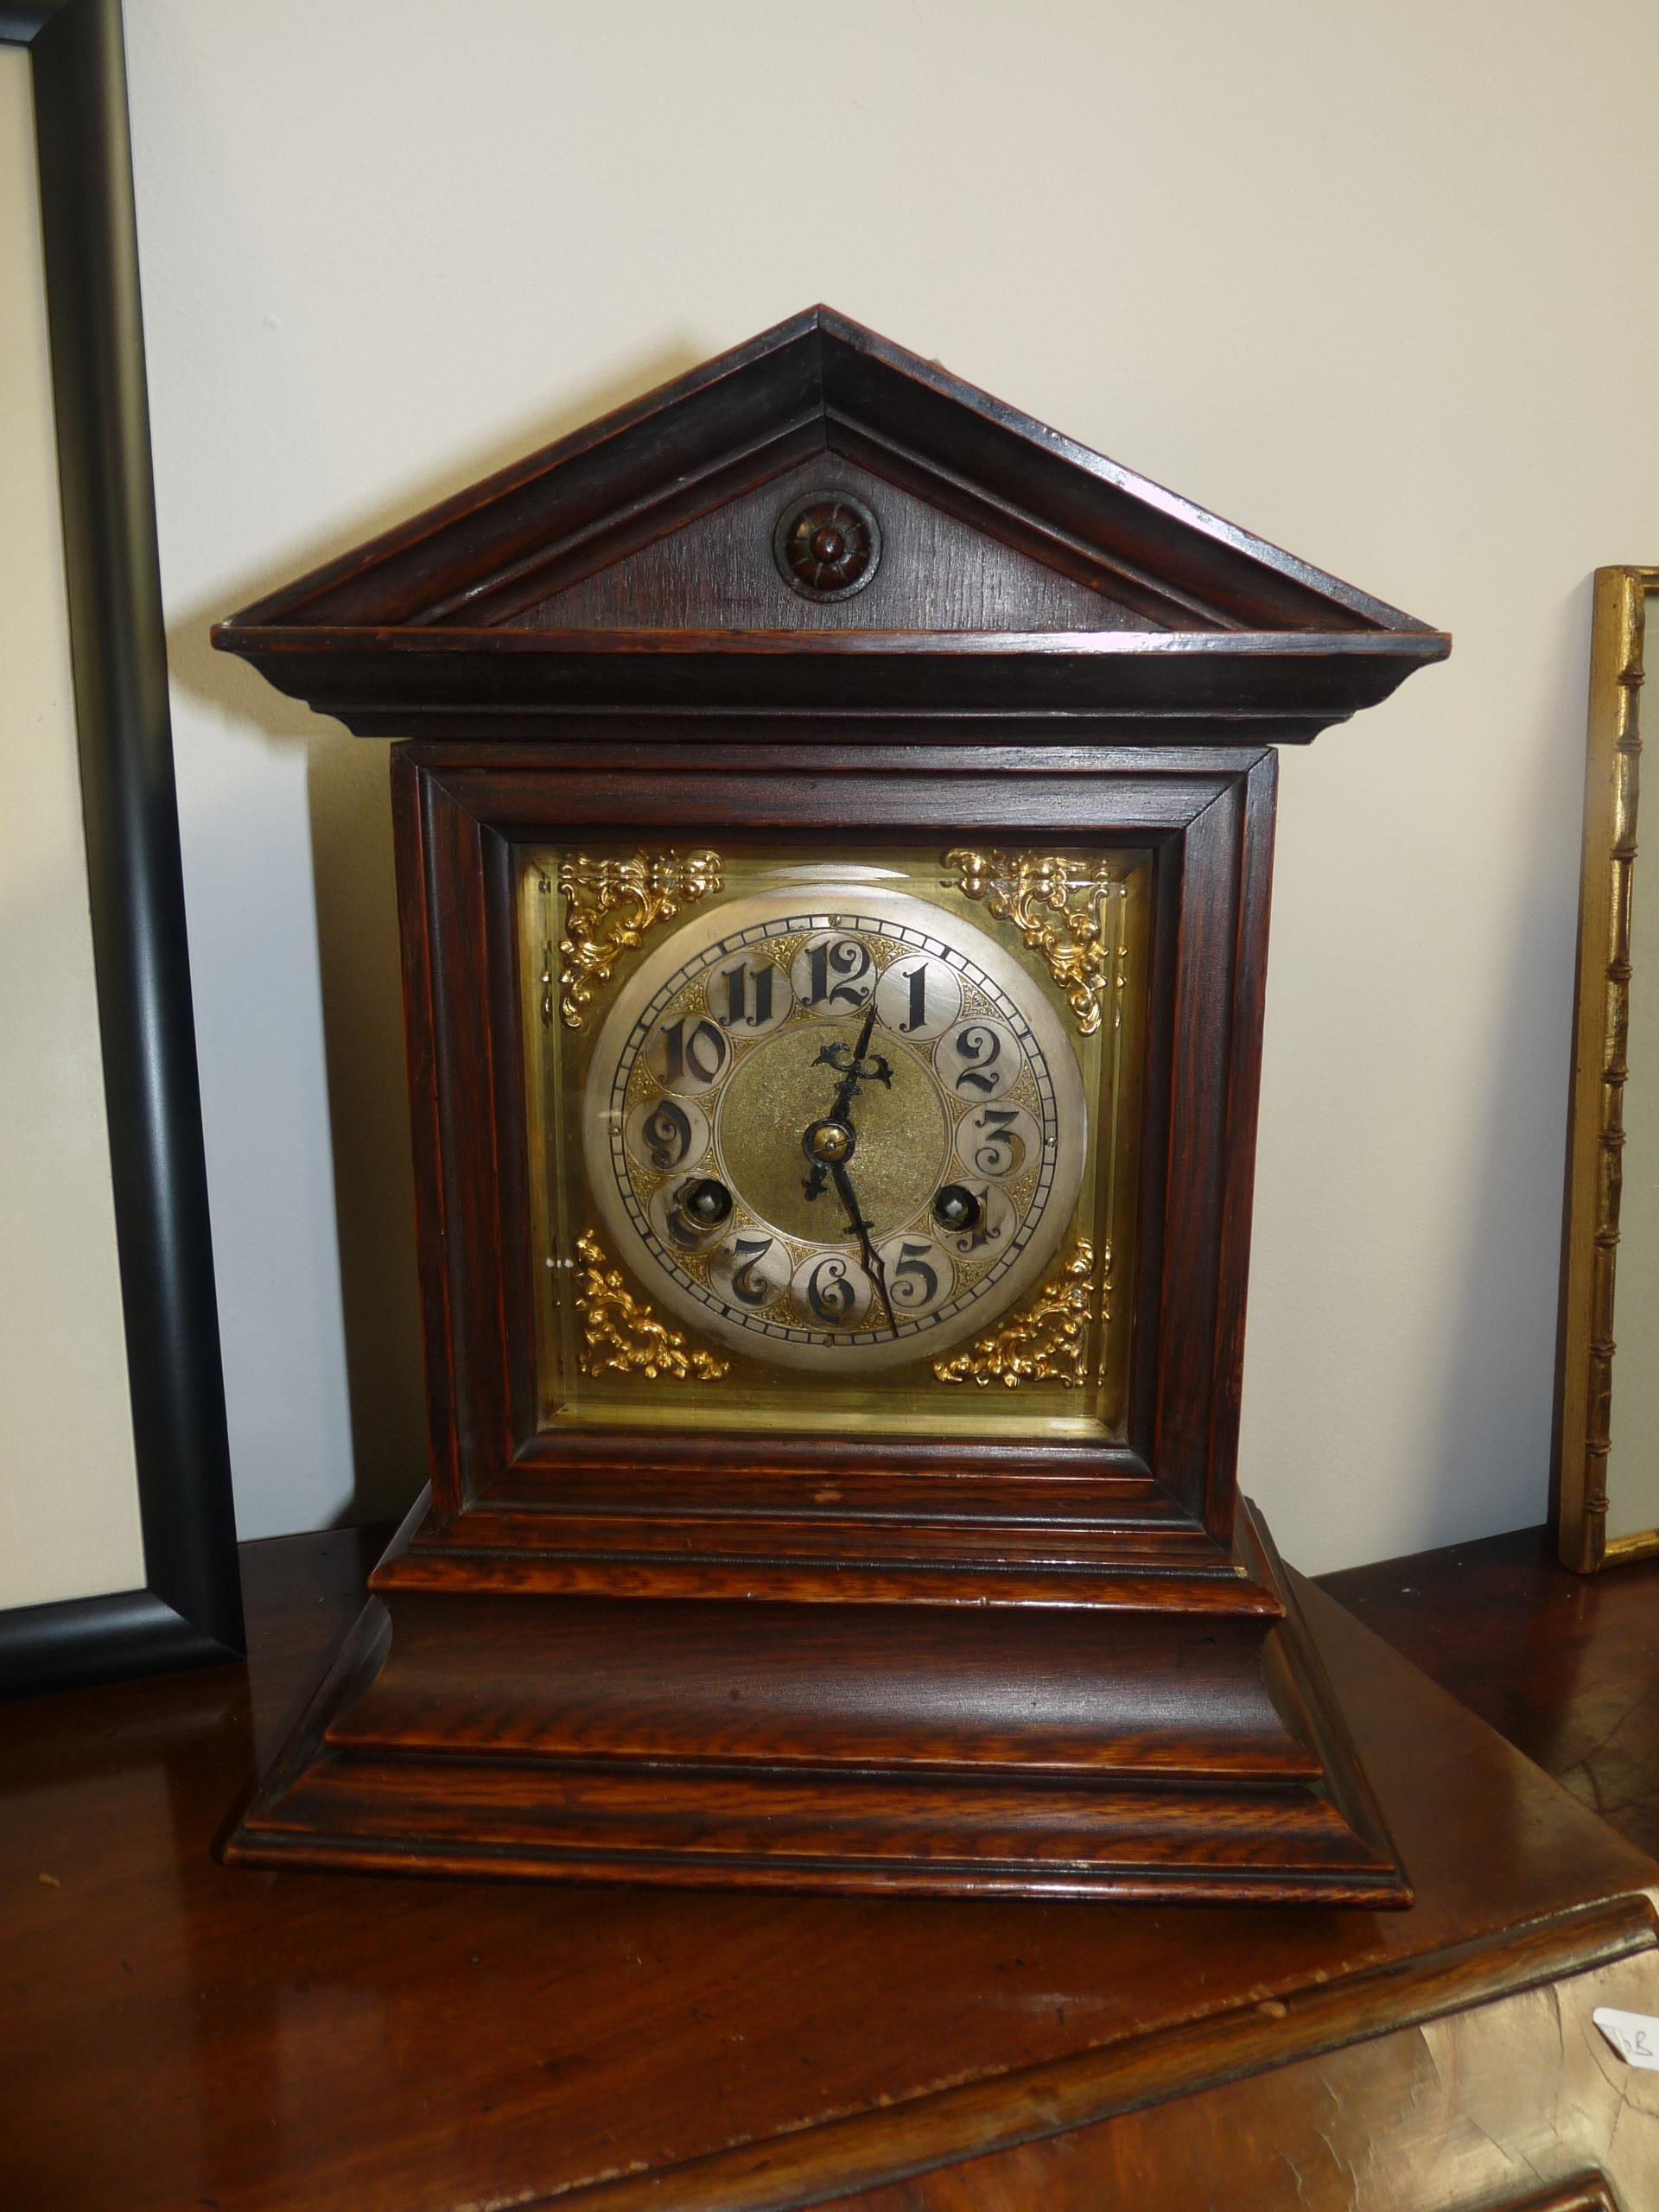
[(833, 820)]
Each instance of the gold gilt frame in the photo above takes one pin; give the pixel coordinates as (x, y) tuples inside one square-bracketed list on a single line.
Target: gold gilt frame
[(1596, 1128)]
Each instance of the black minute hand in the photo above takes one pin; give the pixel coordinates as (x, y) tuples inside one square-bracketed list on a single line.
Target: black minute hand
[(861, 1229), (854, 1071), (854, 1074)]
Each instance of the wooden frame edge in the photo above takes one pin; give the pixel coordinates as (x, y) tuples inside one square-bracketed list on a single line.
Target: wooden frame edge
[(447, 805), (840, 2158), (190, 1611)]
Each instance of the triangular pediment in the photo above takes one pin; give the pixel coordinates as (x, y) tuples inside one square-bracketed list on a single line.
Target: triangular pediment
[(722, 572), (663, 556)]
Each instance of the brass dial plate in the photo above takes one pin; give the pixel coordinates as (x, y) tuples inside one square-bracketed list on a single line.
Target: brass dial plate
[(604, 1327)]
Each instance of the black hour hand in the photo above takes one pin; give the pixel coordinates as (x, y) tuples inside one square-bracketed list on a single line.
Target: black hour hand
[(845, 1061)]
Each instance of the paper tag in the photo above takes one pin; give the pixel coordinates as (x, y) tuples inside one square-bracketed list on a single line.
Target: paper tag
[(1634, 2036)]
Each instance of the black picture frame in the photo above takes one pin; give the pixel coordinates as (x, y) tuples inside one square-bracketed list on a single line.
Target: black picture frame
[(189, 1612)]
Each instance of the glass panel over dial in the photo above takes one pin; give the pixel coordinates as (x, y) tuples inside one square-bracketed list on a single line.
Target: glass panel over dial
[(863, 1127), (834, 1134)]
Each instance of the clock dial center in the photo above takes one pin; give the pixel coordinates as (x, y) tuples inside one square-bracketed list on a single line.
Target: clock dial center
[(781, 1088), (831, 1142)]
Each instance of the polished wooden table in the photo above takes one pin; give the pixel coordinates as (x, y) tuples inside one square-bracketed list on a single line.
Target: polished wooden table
[(174, 2034), (1565, 1667)]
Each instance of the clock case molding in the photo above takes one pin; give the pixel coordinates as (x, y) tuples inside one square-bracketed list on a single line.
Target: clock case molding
[(1062, 1669)]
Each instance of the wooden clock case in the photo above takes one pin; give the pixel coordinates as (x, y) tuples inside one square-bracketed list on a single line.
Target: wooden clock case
[(837, 1663)]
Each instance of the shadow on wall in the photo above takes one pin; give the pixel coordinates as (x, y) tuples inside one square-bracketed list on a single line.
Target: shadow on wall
[(1485, 1426), (360, 981)]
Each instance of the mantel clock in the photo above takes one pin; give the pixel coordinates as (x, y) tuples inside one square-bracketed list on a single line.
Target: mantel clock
[(833, 821)]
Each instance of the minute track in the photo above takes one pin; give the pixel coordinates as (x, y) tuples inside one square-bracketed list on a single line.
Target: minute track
[(903, 1094)]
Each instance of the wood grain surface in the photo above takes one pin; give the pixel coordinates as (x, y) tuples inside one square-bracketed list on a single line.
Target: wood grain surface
[(178, 2034), (1565, 1666), (1209, 824), (491, 1713), (629, 566), (936, 573)]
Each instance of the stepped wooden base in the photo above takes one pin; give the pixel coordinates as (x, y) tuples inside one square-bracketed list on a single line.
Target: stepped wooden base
[(1124, 1749)]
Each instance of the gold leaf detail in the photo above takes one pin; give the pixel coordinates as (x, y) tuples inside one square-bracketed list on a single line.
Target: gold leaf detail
[(1059, 907), (610, 901), (1046, 1341), (622, 1336)]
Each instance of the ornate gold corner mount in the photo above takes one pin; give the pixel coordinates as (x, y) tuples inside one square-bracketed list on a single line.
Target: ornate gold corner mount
[(621, 1335), (1057, 904), (1048, 1340), (611, 900)]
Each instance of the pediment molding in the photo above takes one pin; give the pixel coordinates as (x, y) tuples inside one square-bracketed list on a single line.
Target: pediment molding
[(631, 563)]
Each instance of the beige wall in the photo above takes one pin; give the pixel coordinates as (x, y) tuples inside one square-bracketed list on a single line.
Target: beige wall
[(1363, 276), (68, 1488)]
